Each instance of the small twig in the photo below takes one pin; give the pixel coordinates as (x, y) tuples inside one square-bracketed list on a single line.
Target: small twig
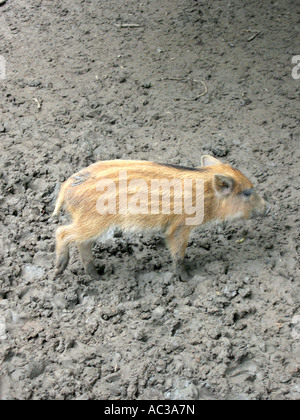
[(177, 79), (198, 96), (254, 36), (39, 105), (181, 79), (127, 25)]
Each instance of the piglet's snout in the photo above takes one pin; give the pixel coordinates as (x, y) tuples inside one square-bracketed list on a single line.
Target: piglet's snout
[(264, 209), (260, 208)]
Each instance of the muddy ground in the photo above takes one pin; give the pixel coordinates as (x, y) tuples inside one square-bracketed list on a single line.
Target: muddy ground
[(81, 85)]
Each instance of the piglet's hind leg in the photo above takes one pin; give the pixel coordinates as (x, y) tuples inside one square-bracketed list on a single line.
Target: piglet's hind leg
[(64, 236)]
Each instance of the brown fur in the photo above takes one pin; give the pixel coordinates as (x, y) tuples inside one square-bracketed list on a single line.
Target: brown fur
[(223, 199)]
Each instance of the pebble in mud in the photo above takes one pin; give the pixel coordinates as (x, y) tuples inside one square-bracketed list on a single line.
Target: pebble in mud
[(295, 323), (2, 329)]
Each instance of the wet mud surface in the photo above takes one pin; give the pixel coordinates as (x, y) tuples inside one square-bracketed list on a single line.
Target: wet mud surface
[(88, 81)]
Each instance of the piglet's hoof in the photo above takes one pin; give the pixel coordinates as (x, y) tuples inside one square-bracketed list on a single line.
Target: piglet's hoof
[(61, 265), (91, 271), (183, 275)]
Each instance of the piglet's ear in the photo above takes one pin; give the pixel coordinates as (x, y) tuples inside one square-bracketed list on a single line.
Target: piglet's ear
[(209, 161), (223, 185)]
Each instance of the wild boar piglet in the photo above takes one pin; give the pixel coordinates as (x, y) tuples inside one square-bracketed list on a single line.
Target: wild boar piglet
[(136, 196)]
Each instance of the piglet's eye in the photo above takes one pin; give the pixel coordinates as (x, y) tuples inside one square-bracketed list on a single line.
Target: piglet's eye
[(247, 193)]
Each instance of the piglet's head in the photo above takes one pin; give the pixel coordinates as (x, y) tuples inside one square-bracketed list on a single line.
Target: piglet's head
[(234, 194)]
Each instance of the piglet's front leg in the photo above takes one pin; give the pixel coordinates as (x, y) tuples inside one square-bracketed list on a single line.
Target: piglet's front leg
[(177, 238)]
